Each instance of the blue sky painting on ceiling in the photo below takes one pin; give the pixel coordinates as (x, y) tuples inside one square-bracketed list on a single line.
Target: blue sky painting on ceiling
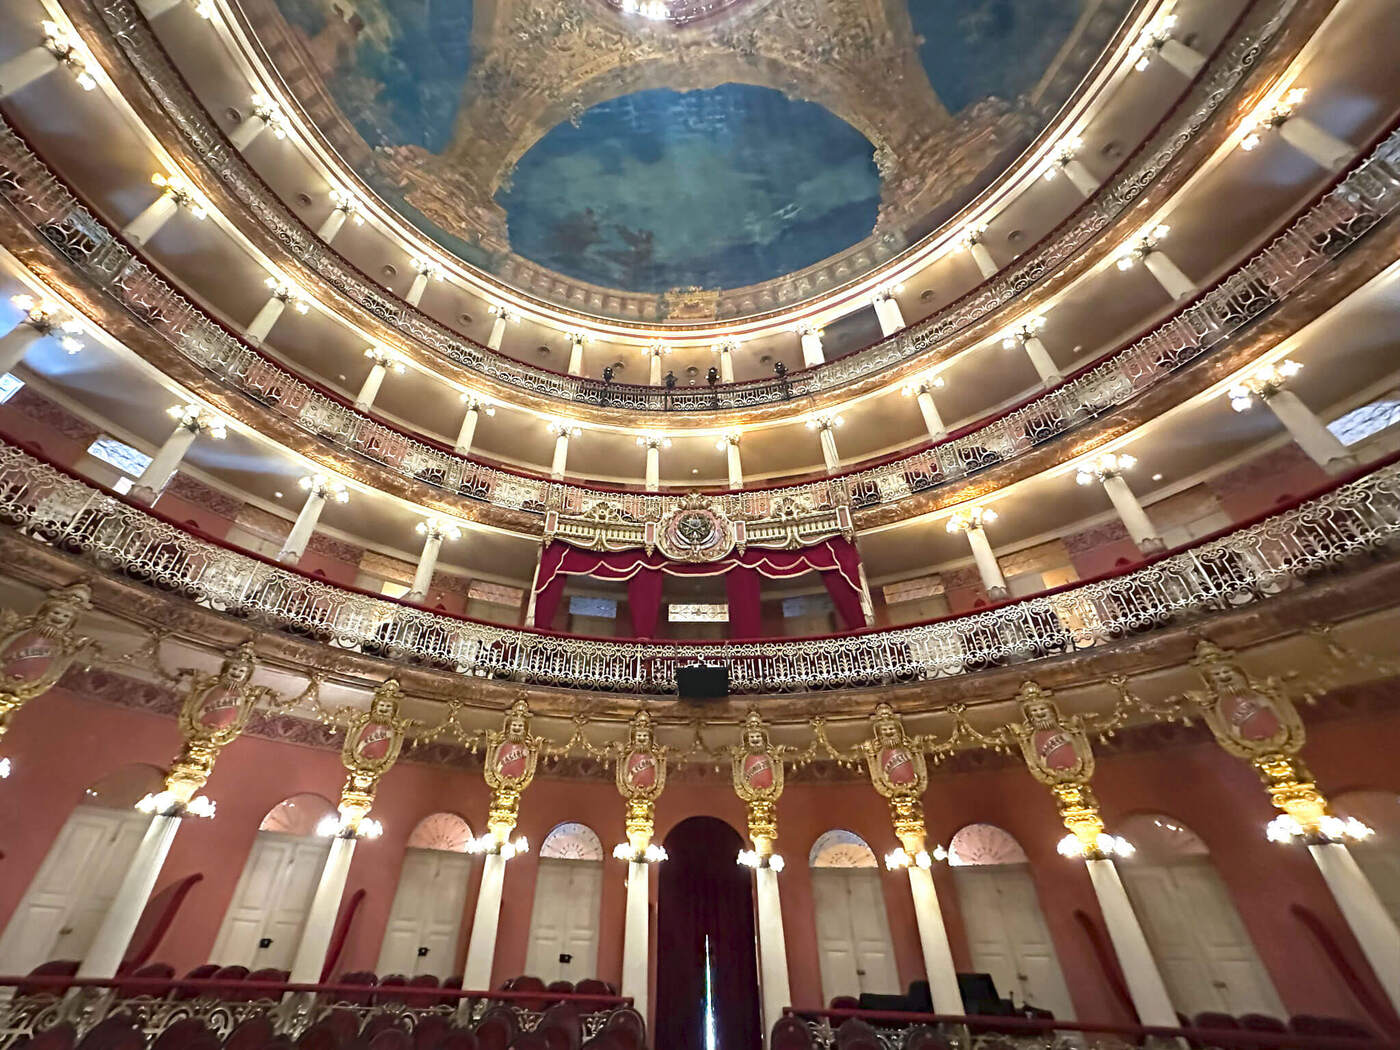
[(717, 188)]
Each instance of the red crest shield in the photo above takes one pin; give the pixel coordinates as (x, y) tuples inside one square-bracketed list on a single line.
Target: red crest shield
[(220, 708), (898, 766), (1055, 748), (758, 772), (374, 742), (28, 657), (640, 771), (512, 760), (1250, 718)]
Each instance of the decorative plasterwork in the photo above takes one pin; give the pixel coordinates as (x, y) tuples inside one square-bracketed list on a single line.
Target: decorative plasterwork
[(572, 841), (441, 831), (841, 849), (979, 844)]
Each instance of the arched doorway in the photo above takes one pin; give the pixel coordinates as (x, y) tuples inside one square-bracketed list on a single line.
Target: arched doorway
[(426, 916), (74, 886), (853, 933), (1006, 929), (1196, 935), (568, 902), (1379, 855), (706, 968), (264, 920)]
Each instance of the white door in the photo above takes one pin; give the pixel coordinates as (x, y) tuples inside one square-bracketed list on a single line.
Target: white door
[(60, 912), (853, 934), (1195, 933), (263, 923), (564, 920), (426, 914), (1008, 936)]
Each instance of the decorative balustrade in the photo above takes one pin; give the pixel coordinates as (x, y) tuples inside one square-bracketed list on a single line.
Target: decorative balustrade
[(1369, 193), (132, 34), (1253, 563)]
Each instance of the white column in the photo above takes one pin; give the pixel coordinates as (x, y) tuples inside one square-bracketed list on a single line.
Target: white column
[(726, 362), (427, 562), (146, 225), (1079, 176), (295, 545), (15, 343), (467, 434), (1169, 275), (772, 949), (827, 434), (811, 347), (933, 939), (561, 455), (1040, 359), (1134, 518), (334, 221), (576, 355), (369, 390), (888, 313), (1322, 446), (1186, 60), (932, 420), (247, 132), (425, 270), (735, 464), (25, 68), (1320, 146), (636, 957), (654, 375), (114, 935), (481, 949), (986, 265), (165, 462), (653, 474), (1373, 926), (498, 332), (1145, 986), (986, 560), (261, 324), (320, 920)]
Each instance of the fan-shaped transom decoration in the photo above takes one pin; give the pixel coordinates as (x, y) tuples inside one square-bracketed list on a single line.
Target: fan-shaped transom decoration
[(444, 831), (839, 848), (572, 841), (979, 844), (124, 786), (1159, 838), (298, 814)]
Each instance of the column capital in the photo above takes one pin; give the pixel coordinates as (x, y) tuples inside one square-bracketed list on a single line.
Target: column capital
[(825, 423), (502, 313), (181, 192), (809, 328), (1022, 332), (437, 529), (327, 488), (385, 358), (285, 291), (923, 384), (196, 420), (563, 428), (1140, 247), (1108, 465), (429, 269), (650, 441), (576, 338), (885, 291), (264, 109), (1151, 42), (477, 402), (1264, 382), (1064, 152), (972, 234), (346, 201), (67, 51), (970, 519), (1269, 117), (47, 318), (729, 345), (657, 349), (728, 438)]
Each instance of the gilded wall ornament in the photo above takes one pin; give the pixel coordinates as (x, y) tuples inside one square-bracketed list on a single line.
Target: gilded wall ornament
[(215, 711), (511, 756), (37, 649), (373, 739), (641, 777), (756, 768), (1058, 753)]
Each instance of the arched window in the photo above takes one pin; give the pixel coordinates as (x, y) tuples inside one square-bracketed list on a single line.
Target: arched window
[(839, 848), (441, 831), (978, 844), (572, 841), (298, 815), (1161, 839)]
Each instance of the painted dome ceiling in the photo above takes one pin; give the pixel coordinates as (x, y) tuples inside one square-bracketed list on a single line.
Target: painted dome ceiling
[(673, 149)]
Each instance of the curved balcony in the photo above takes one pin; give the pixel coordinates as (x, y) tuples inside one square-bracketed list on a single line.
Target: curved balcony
[(128, 34), (1329, 530), (1337, 220)]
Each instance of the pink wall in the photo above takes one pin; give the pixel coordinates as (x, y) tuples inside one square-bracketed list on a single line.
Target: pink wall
[(61, 744)]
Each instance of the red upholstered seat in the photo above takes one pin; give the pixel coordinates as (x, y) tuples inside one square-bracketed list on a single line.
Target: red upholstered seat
[(855, 1034), (200, 973), (1261, 1023), (253, 1034), (391, 1039), (459, 1039), (151, 971), (115, 1033), (59, 1037), (180, 1035), (380, 1023), (560, 1027), (628, 1027), (430, 1032), (388, 988), (497, 1029), (924, 1038), (453, 983), (845, 1002), (1310, 1024), (267, 975), (53, 968), (356, 977), (231, 973), (320, 1036), (528, 1041)]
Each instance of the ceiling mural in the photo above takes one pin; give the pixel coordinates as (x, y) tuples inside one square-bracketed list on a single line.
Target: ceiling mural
[(681, 144)]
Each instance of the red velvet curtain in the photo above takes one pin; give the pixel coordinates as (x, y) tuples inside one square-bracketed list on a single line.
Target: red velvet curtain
[(743, 587), (703, 893), (837, 560), (644, 600)]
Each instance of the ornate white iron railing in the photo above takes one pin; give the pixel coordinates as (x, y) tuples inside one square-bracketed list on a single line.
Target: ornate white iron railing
[(132, 34), (1248, 565), (1369, 192)]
